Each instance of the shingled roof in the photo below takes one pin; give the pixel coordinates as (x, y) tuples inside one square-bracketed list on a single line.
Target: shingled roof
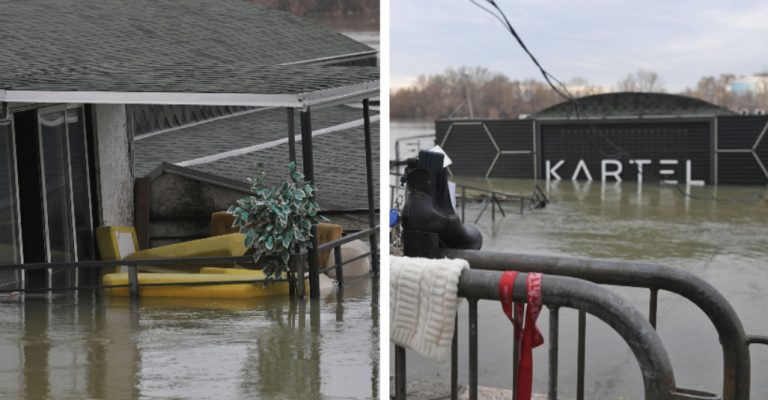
[(148, 32), (232, 51), (339, 157), (632, 105)]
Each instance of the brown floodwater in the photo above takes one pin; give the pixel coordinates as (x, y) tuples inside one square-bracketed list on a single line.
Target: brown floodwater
[(724, 242), (88, 346)]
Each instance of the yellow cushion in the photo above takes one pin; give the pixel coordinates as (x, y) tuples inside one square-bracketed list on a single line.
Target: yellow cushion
[(237, 290), (218, 246), (221, 223), (116, 242)]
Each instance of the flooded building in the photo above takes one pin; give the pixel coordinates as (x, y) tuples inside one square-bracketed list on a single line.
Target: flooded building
[(98, 102), (614, 137), (83, 84)]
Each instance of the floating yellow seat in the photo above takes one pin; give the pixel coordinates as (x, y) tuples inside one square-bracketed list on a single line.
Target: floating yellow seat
[(236, 290)]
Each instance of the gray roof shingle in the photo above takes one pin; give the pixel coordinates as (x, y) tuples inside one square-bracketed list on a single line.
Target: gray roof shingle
[(339, 156), (190, 46), (148, 32), (632, 105)]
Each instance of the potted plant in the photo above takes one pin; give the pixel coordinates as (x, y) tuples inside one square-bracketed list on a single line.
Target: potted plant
[(277, 220)]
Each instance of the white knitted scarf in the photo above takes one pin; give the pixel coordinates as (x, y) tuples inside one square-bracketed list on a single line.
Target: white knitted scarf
[(423, 304)]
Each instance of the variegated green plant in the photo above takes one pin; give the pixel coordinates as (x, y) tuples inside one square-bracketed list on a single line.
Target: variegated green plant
[(277, 220)]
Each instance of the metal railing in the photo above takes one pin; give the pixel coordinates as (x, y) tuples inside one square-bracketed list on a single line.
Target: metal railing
[(413, 139), (492, 199), (654, 277), (556, 292), (296, 277)]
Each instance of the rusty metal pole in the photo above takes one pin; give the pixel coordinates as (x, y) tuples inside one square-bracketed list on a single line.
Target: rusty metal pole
[(369, 180)]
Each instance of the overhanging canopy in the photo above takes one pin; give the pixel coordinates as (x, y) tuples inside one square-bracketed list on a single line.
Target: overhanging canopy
[(296, 86)]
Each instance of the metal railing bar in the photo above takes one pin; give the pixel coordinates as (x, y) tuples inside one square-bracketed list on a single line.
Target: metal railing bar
[(657, 374), (313, 264), (472, 349), (482, 211), (476, 189), (653, 307), (455, 359), (92, 287), (335, 264), (339, 264), (554, 341), (515, 353), (736, 358), (360, 278), (399, 372), (581, 355), (63, 289), (752, 339), (493, 207), (498, 203), (213, 283), (348, 238), (128, 263)]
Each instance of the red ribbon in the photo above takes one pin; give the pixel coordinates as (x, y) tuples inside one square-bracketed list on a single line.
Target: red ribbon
[(528, 334)]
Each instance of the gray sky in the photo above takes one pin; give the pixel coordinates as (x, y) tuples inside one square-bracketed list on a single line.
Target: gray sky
[(600, 40)]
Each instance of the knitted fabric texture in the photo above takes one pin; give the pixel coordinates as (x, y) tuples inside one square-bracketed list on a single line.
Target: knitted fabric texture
[(423, 303)]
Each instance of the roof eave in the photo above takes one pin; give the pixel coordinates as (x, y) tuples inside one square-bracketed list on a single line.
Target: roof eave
[(360, 55), (318, 98), (208, 99), (340, 95)]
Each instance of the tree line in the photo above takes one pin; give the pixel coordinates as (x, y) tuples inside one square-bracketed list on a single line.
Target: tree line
[(339, 8), (478, 92)]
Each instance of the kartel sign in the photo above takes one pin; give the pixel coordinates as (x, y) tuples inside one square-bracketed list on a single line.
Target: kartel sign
[(614, 168)]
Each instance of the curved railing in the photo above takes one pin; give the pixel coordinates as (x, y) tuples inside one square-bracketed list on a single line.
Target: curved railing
[(734, 340)]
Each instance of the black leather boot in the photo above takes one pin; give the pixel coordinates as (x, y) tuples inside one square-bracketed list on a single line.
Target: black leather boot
[(428, 207)]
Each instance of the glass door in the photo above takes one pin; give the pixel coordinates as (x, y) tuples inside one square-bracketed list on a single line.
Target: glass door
[(10, 228), (66, 191)]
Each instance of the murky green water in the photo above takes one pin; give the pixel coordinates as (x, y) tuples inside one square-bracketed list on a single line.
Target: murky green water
[(90, 347), (724, 242)]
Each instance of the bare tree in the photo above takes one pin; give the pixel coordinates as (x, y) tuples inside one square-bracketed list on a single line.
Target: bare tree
[(641, 80)]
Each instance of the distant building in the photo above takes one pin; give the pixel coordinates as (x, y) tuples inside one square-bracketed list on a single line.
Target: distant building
[(749, 84), (670, 137)]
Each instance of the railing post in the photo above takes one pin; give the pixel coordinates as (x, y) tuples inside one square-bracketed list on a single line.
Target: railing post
[(299, 273), (399, 373), (554, 322), (493, 208), (652, 307), (472, 349), (133, 281), (455, 360), (291, 134), (369, 179), (581, 355), (339, 270), (314, 270)]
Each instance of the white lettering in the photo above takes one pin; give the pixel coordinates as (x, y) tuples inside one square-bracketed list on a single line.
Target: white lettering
[(615, 173), (668, 172), (640, 164), (581, 166), (689, 173), (552, 172), (618, 168)]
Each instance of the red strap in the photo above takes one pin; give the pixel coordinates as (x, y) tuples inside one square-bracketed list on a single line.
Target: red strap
[(531, 336)]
